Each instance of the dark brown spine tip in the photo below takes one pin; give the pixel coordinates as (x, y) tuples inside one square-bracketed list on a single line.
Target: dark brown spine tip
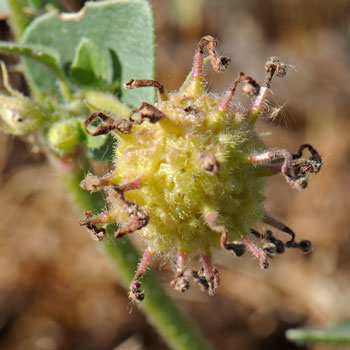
[(313, 164), (97, 233), (180, 283), (147, 111), (270, 249), (264, 264), (219, 63), (136, 294), (139, 217), (207, 283), (294, 168), (236, 247), (129, 84), (139, 83), (279, 246), (200, 279), (251, 87), (108, 124), (305, 246), (256, 233), (281, 70), (274, 66)]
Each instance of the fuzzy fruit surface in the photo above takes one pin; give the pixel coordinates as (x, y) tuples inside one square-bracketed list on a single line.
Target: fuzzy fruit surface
[(174, 189)]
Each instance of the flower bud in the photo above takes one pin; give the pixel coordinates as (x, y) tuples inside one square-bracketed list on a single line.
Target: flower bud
[(65, 136), (21, 116)]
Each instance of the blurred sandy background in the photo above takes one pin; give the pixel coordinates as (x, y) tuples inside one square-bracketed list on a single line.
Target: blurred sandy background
[(57, 289)]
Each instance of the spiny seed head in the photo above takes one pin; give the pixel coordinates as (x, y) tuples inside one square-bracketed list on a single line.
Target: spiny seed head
[(193, 161), (189, 172)]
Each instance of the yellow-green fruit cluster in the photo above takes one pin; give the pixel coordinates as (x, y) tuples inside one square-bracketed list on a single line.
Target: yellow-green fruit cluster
[(175, 189)]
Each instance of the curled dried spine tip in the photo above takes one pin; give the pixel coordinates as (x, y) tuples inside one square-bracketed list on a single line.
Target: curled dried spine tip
[(139, 217), (213, 282), (251, 87), (200, 279), (149, 112), (108, 124), (280, 226), (93, 183), (91, 222), (256, 251), (312, 164), (208, 282), (138, 83), (270, 249), (304, 245), (271, 244), (219, 63), (135, 292), (181, 282), (293, 168), (274, 66), (236, 247), (279, 245)]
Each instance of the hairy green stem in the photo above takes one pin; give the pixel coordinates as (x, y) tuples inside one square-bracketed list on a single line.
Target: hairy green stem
[(337, 334), (176, 329), (19, 18)]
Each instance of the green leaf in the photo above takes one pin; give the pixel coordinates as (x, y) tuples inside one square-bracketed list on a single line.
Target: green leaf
[(122, 30), (89, 65), (336, 334), (45, 55)]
